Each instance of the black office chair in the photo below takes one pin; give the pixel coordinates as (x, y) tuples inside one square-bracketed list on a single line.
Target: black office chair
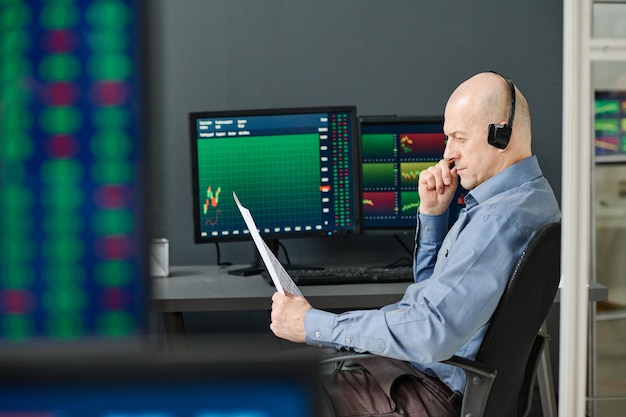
[(500, 381)]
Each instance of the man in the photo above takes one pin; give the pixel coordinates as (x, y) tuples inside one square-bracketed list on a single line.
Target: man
[(459, 275)]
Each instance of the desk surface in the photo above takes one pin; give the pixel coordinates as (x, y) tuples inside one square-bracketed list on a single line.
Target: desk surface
[(211, 288)]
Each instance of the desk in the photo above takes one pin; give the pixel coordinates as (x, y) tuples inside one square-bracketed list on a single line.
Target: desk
[(211, 288)]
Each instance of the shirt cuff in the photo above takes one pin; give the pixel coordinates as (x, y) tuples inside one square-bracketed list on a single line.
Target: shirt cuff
[(432, 229), (319, 326)]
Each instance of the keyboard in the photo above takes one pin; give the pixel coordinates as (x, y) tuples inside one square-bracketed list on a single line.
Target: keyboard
[(348, 275)]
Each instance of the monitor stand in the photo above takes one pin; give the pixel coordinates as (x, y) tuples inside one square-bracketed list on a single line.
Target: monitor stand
[(257, 266), (254, 269)]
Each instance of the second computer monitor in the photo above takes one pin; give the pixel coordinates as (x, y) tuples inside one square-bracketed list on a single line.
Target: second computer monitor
[(394, 151)]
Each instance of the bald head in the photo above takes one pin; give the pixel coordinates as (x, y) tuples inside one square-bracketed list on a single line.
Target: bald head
[(478, 102), (486, 99)]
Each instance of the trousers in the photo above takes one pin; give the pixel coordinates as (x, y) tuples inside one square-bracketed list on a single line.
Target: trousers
[(378, 386)]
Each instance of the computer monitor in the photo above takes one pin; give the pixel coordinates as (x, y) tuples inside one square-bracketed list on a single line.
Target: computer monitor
[(72, 263), (160, 385), (296, 169), (394, 150), (610, 126)]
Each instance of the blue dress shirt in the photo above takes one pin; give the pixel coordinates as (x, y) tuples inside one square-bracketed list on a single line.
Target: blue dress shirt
[(460, 275)]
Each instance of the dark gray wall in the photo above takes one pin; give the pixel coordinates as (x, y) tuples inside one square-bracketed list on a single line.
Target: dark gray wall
[(402, 57)]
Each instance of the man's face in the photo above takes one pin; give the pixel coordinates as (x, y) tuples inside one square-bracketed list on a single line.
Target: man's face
[(476, 161)]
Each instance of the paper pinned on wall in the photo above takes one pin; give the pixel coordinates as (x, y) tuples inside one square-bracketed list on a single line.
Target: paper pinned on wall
[(281, 279)]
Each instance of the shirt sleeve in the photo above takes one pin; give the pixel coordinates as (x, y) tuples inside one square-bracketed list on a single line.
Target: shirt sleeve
[(429, 234), (436, 316)]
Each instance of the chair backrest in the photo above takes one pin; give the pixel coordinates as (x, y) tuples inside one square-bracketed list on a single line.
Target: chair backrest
[(516, 321)]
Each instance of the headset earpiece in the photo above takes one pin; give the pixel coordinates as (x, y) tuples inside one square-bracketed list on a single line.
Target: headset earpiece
[(499, 134)]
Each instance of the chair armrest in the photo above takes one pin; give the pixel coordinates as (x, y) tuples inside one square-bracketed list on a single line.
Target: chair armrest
[(336, 358), (475, 368), (479, 381)]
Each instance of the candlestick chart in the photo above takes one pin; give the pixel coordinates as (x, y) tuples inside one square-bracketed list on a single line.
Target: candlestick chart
[(395, 150), (259, 183)]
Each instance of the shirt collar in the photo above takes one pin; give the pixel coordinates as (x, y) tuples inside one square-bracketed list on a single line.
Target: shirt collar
[(526, 170)]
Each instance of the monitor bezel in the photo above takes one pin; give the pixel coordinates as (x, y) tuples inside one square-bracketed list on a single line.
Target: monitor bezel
[(356, 181)]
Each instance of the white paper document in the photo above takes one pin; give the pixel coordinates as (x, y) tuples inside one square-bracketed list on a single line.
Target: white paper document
[(280, 277)]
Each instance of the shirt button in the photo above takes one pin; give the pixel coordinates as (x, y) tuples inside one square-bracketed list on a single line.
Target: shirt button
[(348, 340), (318, 333)]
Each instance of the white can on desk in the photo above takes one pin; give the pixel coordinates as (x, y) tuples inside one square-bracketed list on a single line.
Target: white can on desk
[(159, 257)]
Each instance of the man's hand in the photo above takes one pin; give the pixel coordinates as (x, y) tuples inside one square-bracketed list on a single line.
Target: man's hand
[(436, 187), (288, 316)]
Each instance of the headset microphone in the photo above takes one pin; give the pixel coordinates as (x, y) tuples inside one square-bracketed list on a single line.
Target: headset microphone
[(500, 134)]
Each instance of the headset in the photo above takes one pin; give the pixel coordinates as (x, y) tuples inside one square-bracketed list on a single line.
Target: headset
[(499, 134)]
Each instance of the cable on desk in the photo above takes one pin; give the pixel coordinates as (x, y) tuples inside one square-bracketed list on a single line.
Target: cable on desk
[(406, 248), (280, 245), (404, 261)]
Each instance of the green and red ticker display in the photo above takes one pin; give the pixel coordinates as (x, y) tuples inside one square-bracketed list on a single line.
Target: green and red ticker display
[(70, 229)]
